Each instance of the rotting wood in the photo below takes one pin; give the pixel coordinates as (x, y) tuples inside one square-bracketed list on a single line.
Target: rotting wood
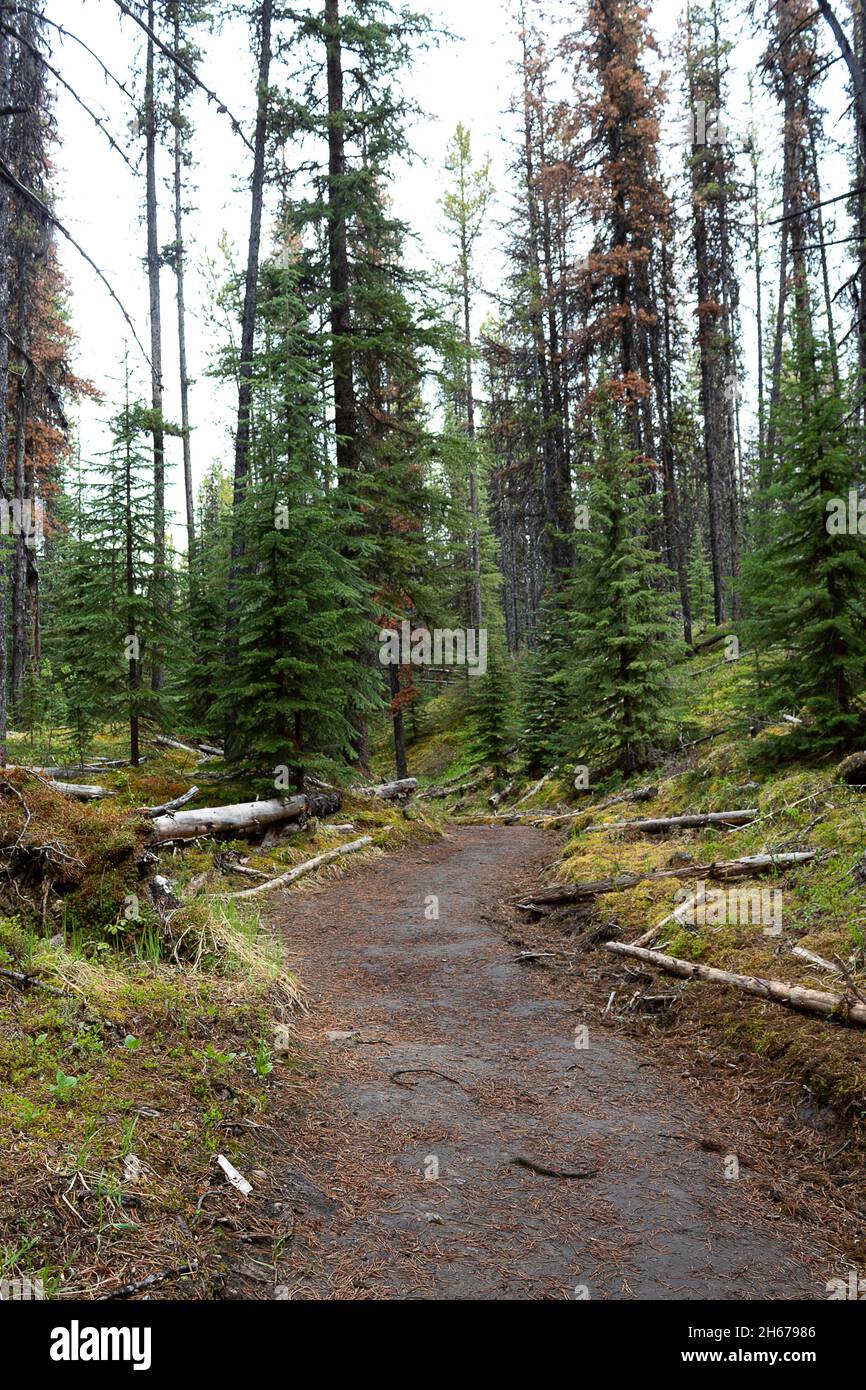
[(174, 805), (717, 869), (78, 791), (387, 791), (299, 870), (689, 822), (818, 961), (837, 1007), (221, 820)]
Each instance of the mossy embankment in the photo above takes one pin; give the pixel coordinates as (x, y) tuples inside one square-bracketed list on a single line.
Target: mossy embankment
[(145, 1044)]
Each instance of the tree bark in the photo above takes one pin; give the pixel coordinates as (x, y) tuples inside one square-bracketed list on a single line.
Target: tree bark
[(812, 1001), (342, 357), (155, 308), (179, 270), (248, 332), (226, 820)]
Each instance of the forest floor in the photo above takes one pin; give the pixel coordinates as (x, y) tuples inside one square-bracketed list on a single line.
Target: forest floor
[(443, 1069), (395, 1132)]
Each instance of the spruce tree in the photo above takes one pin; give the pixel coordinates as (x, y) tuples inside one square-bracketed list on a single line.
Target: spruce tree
[(618, 701), (491, 710), (302, 606), (805, 584)]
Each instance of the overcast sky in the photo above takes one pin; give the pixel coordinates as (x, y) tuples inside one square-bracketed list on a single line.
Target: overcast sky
[(470, 79)]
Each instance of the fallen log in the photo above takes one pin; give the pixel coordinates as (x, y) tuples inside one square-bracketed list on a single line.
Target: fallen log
[(179, 801), (696, 900), (536, 787), (839, 1007), (387, 791), (163, 741), (638, 794), (79, 791), (243, 817), (718, 869), (299, 870), (682, 822), (818, 961), (705, 644)]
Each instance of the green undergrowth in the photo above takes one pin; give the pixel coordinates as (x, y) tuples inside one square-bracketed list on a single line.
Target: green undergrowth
[(722, 761), (150, 1042)]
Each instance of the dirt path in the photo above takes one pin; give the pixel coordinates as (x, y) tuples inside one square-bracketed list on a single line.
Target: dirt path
[(405, 1186)]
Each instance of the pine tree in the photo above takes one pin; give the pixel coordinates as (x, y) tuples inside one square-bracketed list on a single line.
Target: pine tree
[(301, 604), (544, 687), (619, 697), (491, 710), (701, 584), (806, 583), (79, 597)]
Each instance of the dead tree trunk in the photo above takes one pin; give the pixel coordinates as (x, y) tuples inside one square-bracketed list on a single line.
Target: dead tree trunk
[(248, 327), (155, 309)]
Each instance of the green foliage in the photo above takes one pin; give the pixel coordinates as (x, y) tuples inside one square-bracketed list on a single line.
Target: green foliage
[(491, 710), (544, 685), (302, 605), (700, 582), (621, 631), (805, 581)]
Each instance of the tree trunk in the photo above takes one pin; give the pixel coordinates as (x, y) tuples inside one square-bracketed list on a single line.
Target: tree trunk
[(342, 356), (400, 763), (179, 268), (153, 267), (248, 330), (5, 88)]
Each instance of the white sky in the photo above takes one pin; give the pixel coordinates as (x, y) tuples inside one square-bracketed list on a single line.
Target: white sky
[(470, 79)]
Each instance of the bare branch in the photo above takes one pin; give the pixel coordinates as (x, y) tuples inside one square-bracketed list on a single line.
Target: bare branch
[(14, 34), (185, 68), (42, 208)]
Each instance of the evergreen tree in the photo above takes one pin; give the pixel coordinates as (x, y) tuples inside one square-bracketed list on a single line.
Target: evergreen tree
[(544, 687), (806, 582), (491, 710), (701, 584), (618, 698), (302, 606)]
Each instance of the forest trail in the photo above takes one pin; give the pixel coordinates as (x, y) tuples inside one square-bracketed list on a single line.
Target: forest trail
[(491, 1073)]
